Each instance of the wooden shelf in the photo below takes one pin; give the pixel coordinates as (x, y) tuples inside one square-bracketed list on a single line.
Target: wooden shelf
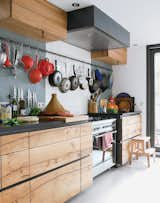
[(111, 56), (37, 19)]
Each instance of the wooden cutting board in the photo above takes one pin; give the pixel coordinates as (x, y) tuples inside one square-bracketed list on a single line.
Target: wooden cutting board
[(65, 119)]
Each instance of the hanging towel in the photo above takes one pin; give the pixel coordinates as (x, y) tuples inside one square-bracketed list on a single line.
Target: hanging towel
[(107, 141)]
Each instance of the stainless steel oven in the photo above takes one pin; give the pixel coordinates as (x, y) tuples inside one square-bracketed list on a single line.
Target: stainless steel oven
[(103, 159)]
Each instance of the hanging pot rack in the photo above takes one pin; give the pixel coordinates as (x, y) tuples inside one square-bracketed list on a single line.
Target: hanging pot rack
[(24, 45)]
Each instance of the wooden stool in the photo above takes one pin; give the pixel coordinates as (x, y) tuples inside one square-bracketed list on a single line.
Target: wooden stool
[(140, 146)]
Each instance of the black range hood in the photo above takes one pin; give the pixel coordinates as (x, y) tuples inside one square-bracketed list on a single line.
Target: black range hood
[(91, 29)]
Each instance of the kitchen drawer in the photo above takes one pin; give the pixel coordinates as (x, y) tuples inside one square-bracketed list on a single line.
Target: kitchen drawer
[(131, 126), (15, 167), (53, 136), (86, 145), (86, 140), (57, 186), (123, 152), (129, 120), (48, 157), (13, 143), (86, 173), (17, 194), (86, 129)]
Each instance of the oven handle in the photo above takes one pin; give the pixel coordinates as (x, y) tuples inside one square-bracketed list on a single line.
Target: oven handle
[(97, 136)]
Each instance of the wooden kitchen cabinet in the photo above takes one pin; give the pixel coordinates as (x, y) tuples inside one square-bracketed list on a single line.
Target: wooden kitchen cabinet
[(111, 56), (15, 167), (131, 126), (17, 194), (86, 140), (14, 158), (37, 19), (57, 186), (86, 172), (53, 148), (13, 143)]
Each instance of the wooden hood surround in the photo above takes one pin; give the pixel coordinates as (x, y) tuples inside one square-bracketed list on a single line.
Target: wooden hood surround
[(37, 19)]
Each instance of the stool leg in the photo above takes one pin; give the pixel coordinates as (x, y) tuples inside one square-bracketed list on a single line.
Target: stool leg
[(148, 160), (154, 156), (137, 156)]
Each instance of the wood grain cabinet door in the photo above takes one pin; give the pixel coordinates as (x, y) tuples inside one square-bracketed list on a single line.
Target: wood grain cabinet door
[(57, 186), (131, 126), (17, 194), (14, 150), (86, 140), (13, 143), (86, 173), (15, 167), (61, 147)]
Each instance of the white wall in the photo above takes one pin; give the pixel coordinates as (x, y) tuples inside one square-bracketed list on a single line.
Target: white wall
[(131, 78), (75, 101)]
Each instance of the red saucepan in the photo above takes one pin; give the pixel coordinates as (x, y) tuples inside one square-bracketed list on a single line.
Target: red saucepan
[(27, 62), (45, 67), (35, 74)]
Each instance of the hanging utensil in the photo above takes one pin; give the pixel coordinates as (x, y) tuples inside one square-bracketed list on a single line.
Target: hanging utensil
[(7, 63), (45, 67), (74, 80), (98, 75), (66, 83), (3, 55), (89, 79), (104, 82), (83, 81), (96, 84), (56, 77), (35, 75)]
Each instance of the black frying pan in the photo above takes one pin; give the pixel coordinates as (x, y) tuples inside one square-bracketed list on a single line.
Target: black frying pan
[(96, 84), (74, 80), (55, 78), (104, 82)]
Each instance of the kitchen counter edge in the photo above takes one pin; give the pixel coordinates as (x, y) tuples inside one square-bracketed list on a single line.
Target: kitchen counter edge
[(37, 126)]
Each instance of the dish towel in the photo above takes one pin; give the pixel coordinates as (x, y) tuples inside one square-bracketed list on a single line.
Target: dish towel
[(107, 141)]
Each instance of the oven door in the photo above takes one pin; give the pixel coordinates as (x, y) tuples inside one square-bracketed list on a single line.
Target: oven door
[(99, 155)]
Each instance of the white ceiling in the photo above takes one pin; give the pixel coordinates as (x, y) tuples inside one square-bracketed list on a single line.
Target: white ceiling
[(140, 17)]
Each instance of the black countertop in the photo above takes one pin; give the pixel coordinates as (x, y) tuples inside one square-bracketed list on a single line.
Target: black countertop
[(29, 127), (116, 115)]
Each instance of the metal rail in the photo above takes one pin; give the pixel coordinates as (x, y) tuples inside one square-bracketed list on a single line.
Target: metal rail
[(53, 53)]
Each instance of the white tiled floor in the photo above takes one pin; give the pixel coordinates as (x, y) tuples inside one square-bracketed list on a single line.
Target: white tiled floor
[(128, 184)]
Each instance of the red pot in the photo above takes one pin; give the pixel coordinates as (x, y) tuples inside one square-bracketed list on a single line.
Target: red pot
[(35, 74), (27, 62), (45, 67)]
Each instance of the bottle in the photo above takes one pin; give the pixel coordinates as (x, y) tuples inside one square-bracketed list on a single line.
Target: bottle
[(22, 104), (14, 108), (22, 107)]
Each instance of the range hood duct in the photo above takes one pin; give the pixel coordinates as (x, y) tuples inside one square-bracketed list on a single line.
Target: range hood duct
[(91, 29)]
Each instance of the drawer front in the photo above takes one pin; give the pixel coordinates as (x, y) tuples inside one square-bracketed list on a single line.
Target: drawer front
[(13, 143), (86, 129), (51, 156), (86, 145), (17, 194), (131, 126), (57, 186), (15, 167), (125, 152), (53, 136), (86, 173)]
